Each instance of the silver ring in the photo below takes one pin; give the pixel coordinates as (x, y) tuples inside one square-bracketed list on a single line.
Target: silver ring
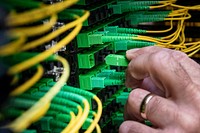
[(144, 103)]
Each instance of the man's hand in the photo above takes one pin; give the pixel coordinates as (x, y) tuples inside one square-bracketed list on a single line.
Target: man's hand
[(175, 79)]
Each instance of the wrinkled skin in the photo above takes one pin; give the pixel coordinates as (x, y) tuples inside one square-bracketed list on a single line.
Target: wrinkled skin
[(175, 79)]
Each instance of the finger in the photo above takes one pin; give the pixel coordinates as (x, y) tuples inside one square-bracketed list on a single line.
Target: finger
[(132, 82), (135, 127), (133, 53), (159, 111), (165, 72), (148, 85)]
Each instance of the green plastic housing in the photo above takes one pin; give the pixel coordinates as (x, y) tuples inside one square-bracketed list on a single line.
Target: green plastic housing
[(116, 60)]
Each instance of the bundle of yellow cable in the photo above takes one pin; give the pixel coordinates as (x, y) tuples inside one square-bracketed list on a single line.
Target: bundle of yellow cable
[(176, 40)]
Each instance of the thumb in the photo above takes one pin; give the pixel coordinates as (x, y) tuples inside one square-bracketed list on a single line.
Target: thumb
[(135, 127)]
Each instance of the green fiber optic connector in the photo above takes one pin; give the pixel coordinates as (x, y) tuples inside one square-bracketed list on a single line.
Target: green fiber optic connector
[(110, 82), (85, 80), (101, 39), (112, 29), (116, 29), (102, 82), (101, 77), (108, 78), (86, 59), (39, 85), (129, 44), (108, 33), (140, 18), (32, 90), (82, 38), (126, 6), (106, 73), (122, 98), (117, 119), (111, 74), (46, 80), (143, 3), (116, 60)]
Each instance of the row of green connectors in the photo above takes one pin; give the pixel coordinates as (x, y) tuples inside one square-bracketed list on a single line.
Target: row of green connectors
[(87, 59), (100, 77), (83, 38)]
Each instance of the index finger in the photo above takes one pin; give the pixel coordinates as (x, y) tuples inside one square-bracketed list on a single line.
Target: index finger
[(159, 64)]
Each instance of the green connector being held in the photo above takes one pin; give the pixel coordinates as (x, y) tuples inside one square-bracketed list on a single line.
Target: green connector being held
[(116, 60)]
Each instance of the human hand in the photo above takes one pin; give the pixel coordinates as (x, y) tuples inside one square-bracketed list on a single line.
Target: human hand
[(175, 81)]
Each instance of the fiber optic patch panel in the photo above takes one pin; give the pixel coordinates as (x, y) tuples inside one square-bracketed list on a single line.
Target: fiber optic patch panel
[(93, 96)]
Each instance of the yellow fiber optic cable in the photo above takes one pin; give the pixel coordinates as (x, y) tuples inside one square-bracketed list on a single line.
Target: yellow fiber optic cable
[(73, 123), (38, 14), (169, 36), (179, 18), (12, 47), (40, 107), (98, 129), (163, 38), (162, 31), (160, 6), (83, 117), (40, 57), (164, 2), (192, 48), (73, 118), (176, 14), (37, 30), (197, 7), (194, 52), (22, 88), (192, 43), (96, 119), (157, 41), (54, 34), (178, 11), (182, 36)]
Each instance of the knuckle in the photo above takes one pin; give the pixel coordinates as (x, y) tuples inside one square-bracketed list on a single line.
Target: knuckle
[(159, 58), (178, 55)]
